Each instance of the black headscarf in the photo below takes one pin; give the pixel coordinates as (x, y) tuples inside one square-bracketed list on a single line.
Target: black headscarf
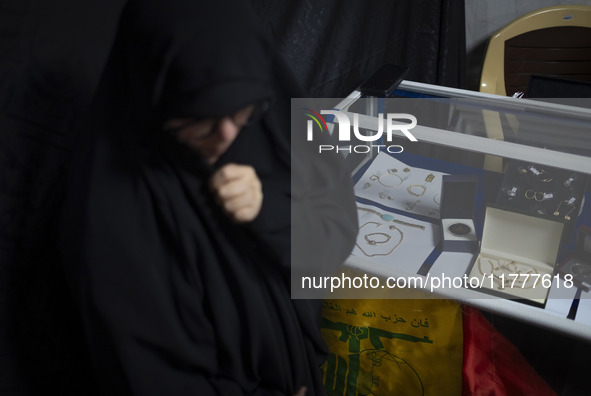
[(176, 299)]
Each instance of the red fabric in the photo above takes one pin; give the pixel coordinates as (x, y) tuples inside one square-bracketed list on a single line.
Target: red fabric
[(493, 365)]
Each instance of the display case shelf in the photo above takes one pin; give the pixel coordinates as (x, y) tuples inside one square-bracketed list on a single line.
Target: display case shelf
[(464, 132)]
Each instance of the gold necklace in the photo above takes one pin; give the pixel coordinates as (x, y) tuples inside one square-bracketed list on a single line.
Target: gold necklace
[(502, 272)]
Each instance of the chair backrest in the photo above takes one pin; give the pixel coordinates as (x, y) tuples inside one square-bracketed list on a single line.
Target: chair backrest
[(552, 41)]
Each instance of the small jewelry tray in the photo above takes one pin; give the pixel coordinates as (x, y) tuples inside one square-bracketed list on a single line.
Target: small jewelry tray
[(544, 191)]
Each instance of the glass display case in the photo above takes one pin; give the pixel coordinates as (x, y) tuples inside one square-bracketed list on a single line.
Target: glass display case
[(489, 206)]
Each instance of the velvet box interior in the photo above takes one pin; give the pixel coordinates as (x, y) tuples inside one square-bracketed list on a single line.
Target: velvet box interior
[(458, 196)]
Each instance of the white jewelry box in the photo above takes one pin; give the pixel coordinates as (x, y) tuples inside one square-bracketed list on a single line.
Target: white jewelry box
[(517, 255)]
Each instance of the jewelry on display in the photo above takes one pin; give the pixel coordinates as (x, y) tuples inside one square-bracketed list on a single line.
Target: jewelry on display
[(539, 209), (418, 193), (411, 205), (373, 242), (391, 172), (422, 192), (390, 218), (532, 194), (568, 182), (385, 195), (388, 185), (538, 195), (503, 272), (512, 192), (459, 229), (566, 216), (540, 175), (567, 203)]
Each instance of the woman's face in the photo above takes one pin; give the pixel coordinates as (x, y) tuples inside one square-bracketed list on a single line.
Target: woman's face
[(210, 137)]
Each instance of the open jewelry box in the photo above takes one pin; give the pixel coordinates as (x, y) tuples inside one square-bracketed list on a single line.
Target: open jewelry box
[(458, 196), (517, 255)]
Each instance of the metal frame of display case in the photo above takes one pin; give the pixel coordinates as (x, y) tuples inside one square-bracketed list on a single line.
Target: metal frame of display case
[(491, 144)]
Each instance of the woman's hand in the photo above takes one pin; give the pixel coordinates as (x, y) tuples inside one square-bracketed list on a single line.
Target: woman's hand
[(239, 191)]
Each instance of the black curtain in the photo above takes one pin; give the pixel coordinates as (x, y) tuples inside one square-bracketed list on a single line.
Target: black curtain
[(48, 76), (333, 46)]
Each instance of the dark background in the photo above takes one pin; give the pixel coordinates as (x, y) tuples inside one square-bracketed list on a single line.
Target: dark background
[(51, 57)]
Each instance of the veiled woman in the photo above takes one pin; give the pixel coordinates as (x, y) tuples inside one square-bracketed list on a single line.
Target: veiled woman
[(176, 227)]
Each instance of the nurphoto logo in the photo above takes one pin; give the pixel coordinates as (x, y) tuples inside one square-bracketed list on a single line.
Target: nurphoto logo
[(387, 123)]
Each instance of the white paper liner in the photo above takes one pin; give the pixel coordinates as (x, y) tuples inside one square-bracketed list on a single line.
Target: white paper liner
[(394, 184), (400, 245)]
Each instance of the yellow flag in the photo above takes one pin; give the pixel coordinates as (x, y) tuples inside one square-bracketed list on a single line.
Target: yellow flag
[(393, 347)]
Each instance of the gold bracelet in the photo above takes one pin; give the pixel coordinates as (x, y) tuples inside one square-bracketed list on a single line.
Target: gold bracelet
[(428, 179), (416, 194), (390, 218), (369, 241)]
